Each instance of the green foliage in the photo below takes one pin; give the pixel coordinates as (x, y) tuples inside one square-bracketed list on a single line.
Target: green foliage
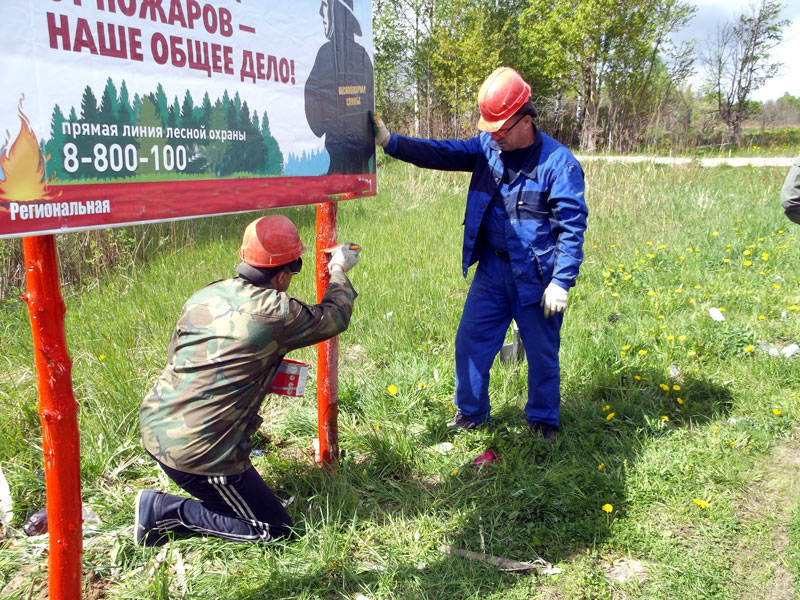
[(677, 467), (257, 154)]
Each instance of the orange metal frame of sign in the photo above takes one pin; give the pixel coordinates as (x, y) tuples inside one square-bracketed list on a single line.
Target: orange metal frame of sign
[(58, 410)]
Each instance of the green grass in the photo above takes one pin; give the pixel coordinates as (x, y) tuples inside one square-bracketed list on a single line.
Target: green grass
[(685, 479)]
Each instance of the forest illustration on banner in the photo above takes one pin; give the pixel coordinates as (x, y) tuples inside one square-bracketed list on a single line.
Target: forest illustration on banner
[(77, 150)]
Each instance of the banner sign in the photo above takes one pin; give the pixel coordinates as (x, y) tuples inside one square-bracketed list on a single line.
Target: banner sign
[(136, 111)]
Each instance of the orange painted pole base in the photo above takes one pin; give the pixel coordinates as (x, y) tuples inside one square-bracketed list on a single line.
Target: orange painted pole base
[(58, 412), (327, 351)]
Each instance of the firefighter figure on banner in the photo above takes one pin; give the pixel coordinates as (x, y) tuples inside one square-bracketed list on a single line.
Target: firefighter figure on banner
[(339, 92)]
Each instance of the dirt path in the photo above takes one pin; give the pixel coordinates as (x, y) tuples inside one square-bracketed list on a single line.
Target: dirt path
[(774, 161), (770, 500)]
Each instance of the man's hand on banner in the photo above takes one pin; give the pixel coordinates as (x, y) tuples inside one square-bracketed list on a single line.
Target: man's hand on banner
[(382, 133)]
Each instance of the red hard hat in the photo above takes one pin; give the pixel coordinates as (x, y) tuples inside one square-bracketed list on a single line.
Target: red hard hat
[(501, 95), (271, 241)]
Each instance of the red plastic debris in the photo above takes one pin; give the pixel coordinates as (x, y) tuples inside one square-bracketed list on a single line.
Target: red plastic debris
[(486, 458)]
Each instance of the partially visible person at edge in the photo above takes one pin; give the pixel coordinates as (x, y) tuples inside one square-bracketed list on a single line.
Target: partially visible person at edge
[(790, 193), (197, 420), (524, 225)]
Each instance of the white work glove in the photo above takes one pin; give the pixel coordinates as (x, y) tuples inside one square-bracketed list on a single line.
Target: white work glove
[(382, 133), (554, 299), (343, 257)]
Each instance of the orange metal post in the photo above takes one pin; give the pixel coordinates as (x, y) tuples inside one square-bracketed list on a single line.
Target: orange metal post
[(58, 412), (327, 351)]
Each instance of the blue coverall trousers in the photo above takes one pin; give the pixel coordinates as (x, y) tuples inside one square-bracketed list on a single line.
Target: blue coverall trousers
[(491, 304)]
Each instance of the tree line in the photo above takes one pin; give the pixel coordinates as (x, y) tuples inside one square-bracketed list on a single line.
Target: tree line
[(258, 154), (606, 74)]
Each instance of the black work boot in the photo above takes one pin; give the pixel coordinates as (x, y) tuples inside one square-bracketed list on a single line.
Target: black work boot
[(461, 421), (543, 430)]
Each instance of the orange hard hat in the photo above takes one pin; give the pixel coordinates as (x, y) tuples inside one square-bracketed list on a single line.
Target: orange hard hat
[(271, 241), (501, 95)]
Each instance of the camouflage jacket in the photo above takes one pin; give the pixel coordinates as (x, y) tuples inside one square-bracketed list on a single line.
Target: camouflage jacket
[(223, 355)]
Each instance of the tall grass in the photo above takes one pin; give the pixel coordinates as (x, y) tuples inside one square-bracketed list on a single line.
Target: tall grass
[(664, 245)]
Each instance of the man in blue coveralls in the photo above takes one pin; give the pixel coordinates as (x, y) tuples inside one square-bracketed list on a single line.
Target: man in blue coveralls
[(524, 225)]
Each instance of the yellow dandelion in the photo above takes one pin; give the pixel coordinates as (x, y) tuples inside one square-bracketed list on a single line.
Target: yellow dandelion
[(726, 260), (761, 317), (715, 233), (642, 352), (746, 252), (747, 263), (670, 337), (679, 400), (606, 408), (776, 286), (765, 256), (622, 352), (691, 353), (637, 377), (701, 503), (610, 416), (608, 508), (392, 389), (101, 357), (626, 347), (454, 472), (601, 466), (792, 307), (682, 338), (377, 426), (749, 348), (664, 418), (661, 317), (422, 385), (651, 293), (776, 411), (663, 386)]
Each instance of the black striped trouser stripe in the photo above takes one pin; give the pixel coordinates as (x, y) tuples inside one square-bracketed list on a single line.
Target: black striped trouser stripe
[(234, 499)]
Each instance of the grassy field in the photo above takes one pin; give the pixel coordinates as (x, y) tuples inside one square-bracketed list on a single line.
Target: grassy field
[(675, 474)]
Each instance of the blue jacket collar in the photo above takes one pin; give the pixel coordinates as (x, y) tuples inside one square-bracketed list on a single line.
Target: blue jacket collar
[(494, 155)]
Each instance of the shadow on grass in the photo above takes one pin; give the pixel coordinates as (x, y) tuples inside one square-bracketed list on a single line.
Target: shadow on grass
[(537, 500)]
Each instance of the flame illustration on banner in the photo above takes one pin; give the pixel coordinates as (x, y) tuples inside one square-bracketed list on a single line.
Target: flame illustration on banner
[(23, 167)]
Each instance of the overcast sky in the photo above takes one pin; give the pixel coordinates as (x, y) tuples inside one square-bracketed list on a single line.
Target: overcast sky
[(710, 13)]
